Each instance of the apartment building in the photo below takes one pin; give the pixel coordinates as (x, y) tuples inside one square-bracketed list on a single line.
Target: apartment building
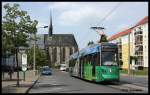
[(133, 42)]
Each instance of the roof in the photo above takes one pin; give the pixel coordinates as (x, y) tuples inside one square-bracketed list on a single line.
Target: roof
[(61, 40), (91, 50), (143, 21), (125, 32), (39, 42)]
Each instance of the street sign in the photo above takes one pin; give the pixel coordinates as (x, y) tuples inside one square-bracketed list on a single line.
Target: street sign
[(24, 62)]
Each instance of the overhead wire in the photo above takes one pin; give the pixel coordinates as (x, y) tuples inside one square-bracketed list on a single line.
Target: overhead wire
[(107, 15)]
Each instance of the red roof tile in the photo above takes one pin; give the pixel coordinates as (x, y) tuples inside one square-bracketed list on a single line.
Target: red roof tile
[(143, 21), (125, 32)]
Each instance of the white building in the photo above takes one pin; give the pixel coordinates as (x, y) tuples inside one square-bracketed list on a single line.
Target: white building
[(138, 46), (140, 40)]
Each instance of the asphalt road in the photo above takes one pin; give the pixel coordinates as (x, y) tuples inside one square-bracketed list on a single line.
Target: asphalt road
[(61, 82), (141, 81)]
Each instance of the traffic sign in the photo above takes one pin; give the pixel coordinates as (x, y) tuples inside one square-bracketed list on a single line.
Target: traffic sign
[(24, 62)]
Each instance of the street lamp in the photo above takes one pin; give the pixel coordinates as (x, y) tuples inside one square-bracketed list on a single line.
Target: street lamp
[(34, 61)]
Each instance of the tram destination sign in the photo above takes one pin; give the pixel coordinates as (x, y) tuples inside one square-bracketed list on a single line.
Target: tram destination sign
[(109, 48)]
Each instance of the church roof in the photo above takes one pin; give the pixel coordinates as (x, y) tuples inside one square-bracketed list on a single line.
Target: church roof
[(61, 40)]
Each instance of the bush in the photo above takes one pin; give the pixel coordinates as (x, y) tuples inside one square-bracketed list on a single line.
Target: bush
[(57, 66)]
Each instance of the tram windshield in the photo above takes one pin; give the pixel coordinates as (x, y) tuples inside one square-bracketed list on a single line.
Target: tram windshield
[(109, 58)]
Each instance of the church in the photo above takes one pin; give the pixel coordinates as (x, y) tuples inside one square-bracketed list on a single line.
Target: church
[(59, 47)]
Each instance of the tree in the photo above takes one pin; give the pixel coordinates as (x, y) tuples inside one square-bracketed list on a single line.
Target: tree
[(16, 28), (103, 38), (41, 57)]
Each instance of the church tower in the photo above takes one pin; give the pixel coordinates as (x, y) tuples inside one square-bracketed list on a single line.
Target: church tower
[(50, 26)]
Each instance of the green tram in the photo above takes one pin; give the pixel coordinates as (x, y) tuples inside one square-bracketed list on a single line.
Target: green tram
[(98, 62)]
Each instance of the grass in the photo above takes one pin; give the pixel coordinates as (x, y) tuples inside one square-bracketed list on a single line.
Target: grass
[(137, 72)]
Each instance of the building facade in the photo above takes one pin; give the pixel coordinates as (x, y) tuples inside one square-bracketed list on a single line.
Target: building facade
[(60, 47), (140, 40), (133, 42)]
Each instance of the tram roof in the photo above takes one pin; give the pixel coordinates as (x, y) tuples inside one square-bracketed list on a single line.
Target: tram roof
[(89, 50)]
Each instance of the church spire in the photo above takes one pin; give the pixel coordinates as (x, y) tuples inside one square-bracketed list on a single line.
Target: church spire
[(50, 26)]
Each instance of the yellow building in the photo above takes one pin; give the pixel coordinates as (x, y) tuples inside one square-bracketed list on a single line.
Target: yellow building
[(132, 44), (122, 38)]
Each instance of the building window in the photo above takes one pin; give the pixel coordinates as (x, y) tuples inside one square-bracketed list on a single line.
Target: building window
[(54, 51), (64, 53), (71, 51)]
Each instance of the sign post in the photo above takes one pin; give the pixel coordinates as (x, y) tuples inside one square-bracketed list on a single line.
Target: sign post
[(24, 63)]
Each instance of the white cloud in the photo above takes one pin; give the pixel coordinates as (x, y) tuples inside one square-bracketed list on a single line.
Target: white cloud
[(135, 3), (75, 13), (122, 27), (82, 15), (61, 5)]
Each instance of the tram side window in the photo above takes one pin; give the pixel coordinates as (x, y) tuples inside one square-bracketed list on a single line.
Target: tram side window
[(82, 60), (85, 60), (89, 59), (96, 59), (72, 63)]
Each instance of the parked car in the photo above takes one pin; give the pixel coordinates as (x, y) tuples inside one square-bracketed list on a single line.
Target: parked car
[(63, 67), (46, 71)]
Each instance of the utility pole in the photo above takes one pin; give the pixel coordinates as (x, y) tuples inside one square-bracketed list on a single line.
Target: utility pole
[(34, 54), (16, 49), (129, 54)]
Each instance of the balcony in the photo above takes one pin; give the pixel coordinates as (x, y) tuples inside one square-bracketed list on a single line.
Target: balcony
[(138, 43), (139, 53), (138, 32), (139, 63)]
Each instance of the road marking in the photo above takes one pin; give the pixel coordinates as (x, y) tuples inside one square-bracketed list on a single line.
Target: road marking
[(52, 89), (50, 83)]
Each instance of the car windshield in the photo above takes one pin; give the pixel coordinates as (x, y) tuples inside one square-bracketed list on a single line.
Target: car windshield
[(109, 58), (46, 69)]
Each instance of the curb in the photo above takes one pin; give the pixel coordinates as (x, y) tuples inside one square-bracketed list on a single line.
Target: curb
[(32, 85), (134, 75)]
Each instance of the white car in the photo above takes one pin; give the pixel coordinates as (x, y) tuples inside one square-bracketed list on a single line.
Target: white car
[(63, 67)]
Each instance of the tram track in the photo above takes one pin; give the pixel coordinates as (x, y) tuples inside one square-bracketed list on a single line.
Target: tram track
[(129, 87), (123, 86)]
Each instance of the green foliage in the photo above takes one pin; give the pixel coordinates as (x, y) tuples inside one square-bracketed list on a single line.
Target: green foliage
[(103, 38), (133, 58), (41, 57), (16, 28), (135, 72)]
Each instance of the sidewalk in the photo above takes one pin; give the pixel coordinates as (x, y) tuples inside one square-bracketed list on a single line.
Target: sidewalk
[(135, 75), (9, 86)]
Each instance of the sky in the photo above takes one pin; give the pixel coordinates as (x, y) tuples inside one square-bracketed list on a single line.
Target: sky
[(77, 18)]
